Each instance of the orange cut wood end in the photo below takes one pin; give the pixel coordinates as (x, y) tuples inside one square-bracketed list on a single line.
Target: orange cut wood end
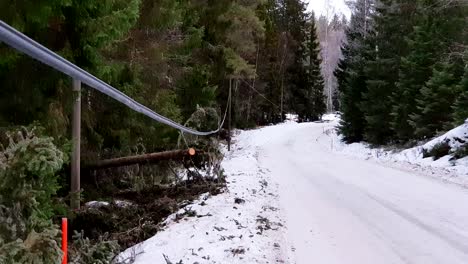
[(191, 151)]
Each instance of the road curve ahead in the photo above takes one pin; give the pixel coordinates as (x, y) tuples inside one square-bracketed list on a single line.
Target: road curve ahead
[(344, 210)]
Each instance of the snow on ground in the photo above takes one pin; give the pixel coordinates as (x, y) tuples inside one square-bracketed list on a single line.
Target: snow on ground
[(291, 117), (297, 194), (241, 225), (330, 117), (455, 137), (340, 209), (97, 204), (455, 171)]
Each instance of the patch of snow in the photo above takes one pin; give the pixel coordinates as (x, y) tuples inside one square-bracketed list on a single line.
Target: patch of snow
[(241, 225), (96, 204), (455, 171), (123, 203), (455, 137), (292, 117), (331, 117)]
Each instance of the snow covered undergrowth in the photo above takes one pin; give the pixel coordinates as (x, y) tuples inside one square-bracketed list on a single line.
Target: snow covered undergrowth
[(447, 168), (241, 225)]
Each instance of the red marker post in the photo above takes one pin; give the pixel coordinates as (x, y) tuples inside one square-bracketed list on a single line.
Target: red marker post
[(64, 240)]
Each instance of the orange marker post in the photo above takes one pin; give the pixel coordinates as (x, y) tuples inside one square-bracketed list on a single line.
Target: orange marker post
[(64, 240)]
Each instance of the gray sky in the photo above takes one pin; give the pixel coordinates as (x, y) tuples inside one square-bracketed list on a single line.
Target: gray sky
[(336, 6)]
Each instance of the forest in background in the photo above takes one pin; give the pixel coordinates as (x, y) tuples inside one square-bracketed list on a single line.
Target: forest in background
[(400, 76), (404, 72), (179, 58), (172, 56)]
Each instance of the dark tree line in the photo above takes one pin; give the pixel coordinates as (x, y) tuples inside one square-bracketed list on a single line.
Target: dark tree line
[(173, 56), (178, 57), (403, 73)]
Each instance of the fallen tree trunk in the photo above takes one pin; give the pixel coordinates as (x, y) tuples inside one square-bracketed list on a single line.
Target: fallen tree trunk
[(141, 159)]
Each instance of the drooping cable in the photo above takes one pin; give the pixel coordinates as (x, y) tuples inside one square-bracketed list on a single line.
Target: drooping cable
[(263, 96), (24, 44)]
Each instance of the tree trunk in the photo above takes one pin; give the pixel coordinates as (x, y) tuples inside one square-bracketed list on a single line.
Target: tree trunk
[(141, 159)]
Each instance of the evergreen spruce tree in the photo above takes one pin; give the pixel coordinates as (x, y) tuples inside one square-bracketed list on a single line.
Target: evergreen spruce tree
[(392, 22), (316, 107), (431, 19), (341, 73), (436, 101), (415, 70), (298, 79), (460, 108), (350, 72), (272, 63), (336, 100)]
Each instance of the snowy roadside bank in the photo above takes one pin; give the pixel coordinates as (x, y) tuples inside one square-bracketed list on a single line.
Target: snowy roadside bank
[(240, 225), (445, 168)]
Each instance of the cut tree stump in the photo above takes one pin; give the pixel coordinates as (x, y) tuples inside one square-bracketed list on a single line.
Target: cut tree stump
[(141, 159)]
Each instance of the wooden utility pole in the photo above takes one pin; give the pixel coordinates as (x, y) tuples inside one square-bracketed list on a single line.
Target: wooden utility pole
[(281, 71), (76, 138), (229, 114), (282, 95)]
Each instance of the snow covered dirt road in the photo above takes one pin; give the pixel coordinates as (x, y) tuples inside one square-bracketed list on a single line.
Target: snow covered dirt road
[(291, 199), (344, 210)]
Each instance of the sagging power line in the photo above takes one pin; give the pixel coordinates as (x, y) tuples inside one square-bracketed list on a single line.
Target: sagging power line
[(24, 44), (263, 96)]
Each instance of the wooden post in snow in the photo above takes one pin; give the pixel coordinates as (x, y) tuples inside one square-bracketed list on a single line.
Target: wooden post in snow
[(229, 114)]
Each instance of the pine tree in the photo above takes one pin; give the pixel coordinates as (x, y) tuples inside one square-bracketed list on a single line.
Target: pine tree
[(84, 32), (274, 58), (415, 70), (460, 108), (93, 26), (431, 20), (28, 182), (392, 23), (407, 38), (340, 72), (295, 21), (316, 106), (435, 103), (336, 100), (350, 72)]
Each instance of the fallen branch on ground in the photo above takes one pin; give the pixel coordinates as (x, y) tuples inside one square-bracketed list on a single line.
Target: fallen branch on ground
[(141, 159)]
